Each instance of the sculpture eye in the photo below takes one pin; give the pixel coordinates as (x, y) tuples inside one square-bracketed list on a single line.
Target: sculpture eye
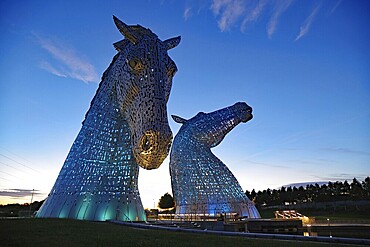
[(135, 64)]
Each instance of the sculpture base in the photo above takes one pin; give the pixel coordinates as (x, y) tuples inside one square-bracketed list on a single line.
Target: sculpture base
[(96, 208)]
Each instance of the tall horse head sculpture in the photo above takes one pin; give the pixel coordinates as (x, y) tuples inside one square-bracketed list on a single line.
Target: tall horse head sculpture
[(142, 75), (125, 127), (201, 183)]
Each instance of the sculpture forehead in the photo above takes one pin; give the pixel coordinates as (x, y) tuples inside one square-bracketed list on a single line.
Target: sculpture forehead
[(213, 122), (142, 31), (153, 51), (201, 122), (146, 41), (210, 118)]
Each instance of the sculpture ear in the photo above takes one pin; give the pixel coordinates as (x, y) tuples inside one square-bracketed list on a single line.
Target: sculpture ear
[(119, 46), (178, 119), (172, 43), (125, 30)]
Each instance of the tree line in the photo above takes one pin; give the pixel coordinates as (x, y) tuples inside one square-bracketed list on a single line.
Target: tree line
[(330, 192), (18, 210)]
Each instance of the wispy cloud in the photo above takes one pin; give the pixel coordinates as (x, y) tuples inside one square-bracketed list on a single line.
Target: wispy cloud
[(315, 161), (241, 14), (279, 9), (304, 184), (17, 193), (340, 177), (305, 27), (253, 14), (48, 67), (187, 13), (229, 12), (345, 151), (265, 164), (335, 6), (69, 63), (311, 162)]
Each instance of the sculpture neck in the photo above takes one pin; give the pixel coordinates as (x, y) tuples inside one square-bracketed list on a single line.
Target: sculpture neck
[(187, 149)]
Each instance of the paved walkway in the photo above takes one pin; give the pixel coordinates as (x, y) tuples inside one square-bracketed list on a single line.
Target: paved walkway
[(250, 235)]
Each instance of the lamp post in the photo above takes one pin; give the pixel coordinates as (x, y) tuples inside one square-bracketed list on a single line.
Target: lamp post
[(31, 201), (329, 227)]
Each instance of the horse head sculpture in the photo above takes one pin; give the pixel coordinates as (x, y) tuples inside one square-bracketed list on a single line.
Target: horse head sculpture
[(201, 183), (143, 75), (125, 127)]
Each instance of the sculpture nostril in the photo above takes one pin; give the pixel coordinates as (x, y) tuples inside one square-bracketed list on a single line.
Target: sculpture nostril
[(146, 143)]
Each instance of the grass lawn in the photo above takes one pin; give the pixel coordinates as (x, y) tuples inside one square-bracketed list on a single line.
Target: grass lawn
[(64, 232)]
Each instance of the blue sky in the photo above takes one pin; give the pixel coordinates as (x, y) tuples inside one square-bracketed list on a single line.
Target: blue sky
[(304, 67)]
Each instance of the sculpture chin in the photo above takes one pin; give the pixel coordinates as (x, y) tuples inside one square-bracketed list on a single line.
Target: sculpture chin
[(149, 161)]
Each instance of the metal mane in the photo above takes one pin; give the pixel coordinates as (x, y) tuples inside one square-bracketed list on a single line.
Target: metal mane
[(201, 183)]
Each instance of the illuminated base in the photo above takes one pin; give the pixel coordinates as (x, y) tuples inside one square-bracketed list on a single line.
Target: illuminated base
[(97, 208)]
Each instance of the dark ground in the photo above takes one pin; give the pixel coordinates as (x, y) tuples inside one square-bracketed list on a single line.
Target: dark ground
[(63, 232)]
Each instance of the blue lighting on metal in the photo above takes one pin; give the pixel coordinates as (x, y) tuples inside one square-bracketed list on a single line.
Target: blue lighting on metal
[(201, 183), (125, 127)]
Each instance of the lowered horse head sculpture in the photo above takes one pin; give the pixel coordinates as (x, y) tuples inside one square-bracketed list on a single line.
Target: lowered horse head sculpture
[(143, 75), (201, 183)]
